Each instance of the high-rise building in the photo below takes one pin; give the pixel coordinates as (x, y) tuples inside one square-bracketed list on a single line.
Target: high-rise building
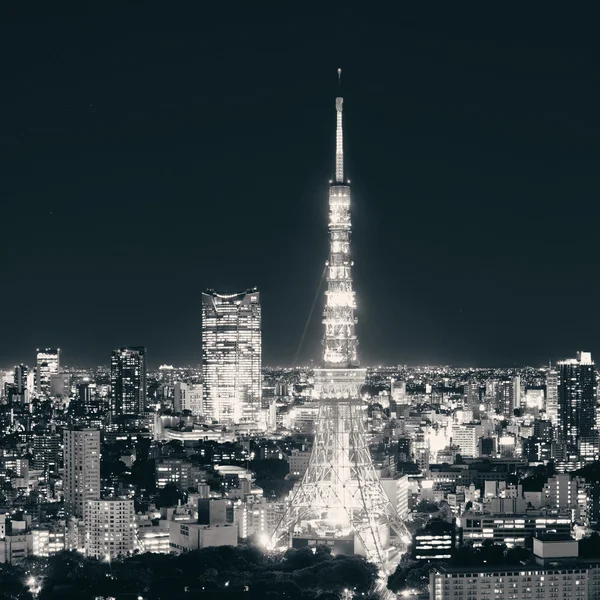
[(576, 402), (46, 451), (21, 373), (508, 396), (232, 356), (47, 364), (84, 396), (59, 384), (128, 381), (82, 469), (109, 528), (552, 397), (466, 437), (472, 395)]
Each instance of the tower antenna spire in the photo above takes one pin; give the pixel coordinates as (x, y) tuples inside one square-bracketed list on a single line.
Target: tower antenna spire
[(339, 135)]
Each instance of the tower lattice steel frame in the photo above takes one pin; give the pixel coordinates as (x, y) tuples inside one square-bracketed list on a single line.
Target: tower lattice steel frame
[(340, 497)]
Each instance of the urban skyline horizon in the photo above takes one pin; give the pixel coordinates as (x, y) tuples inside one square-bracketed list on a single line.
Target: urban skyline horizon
[(156, 365)]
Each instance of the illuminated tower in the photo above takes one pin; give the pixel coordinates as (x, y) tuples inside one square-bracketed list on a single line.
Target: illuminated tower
[(340, 502), (232, 356), (47, 364)]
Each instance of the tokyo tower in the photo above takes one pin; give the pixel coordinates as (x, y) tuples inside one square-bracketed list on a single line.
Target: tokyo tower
[(340, 502)]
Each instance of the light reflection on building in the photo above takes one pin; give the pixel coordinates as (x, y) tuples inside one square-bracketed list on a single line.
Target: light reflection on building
[(232, 356)]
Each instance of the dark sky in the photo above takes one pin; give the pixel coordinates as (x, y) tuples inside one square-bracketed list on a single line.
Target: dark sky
[(150, 154)]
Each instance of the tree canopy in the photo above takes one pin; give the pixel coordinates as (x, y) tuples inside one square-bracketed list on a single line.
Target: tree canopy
[(229, 571)]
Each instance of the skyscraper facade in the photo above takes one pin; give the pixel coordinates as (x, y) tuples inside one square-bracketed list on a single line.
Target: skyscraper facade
[(508, 396), (21, 374), (552, 397), (576, 402), (46, 451), (232, 356), (128, 381), (82, 469), (109, 528), (47, 364)]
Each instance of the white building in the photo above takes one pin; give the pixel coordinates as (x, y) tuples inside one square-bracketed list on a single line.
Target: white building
[(258, 519), (556, 575), (109, 528), (152, 536), (397, 491), (564, 492), (466, 437), (232, 356), (82, 469), (188, 396), (302, 417), (189, 535), (46, 541)]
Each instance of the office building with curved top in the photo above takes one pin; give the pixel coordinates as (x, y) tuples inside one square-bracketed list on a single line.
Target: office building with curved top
[(232, 356)]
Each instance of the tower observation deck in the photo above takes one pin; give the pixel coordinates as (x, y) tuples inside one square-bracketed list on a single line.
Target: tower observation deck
[(340, 502)]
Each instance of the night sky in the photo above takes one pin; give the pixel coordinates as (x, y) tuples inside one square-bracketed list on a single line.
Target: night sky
[(150, 154)]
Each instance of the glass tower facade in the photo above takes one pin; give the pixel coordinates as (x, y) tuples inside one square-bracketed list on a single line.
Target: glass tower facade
[(128, 381), (231, 356), (47, 364), (576, 419)]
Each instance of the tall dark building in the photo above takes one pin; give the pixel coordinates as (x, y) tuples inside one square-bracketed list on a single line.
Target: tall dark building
[(128, 381), (508, 396), (21, 373), (576, 419), (46, 451)]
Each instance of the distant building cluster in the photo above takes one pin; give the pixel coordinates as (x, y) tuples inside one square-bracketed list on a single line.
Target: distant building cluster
[(508, 455)]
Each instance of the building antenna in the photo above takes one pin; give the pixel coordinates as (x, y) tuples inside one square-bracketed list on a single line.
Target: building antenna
[(339, 78)]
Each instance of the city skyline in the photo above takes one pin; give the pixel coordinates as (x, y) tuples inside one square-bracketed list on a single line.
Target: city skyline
[(299, 306), (472, 149)]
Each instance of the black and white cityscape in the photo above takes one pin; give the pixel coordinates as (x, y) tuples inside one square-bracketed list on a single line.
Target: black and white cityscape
[(284, 439)]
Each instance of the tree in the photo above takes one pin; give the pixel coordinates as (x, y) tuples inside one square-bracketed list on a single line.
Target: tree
[(589, 547), (410, 575), (427, 507), (168, 496), (445, 512), (13, 583)]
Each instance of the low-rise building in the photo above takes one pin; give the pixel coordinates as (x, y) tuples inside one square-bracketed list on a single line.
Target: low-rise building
[(214, 527), (555, 574), (47, 540), (298, 462), (153, 535), (436, 541), (511, 529)]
